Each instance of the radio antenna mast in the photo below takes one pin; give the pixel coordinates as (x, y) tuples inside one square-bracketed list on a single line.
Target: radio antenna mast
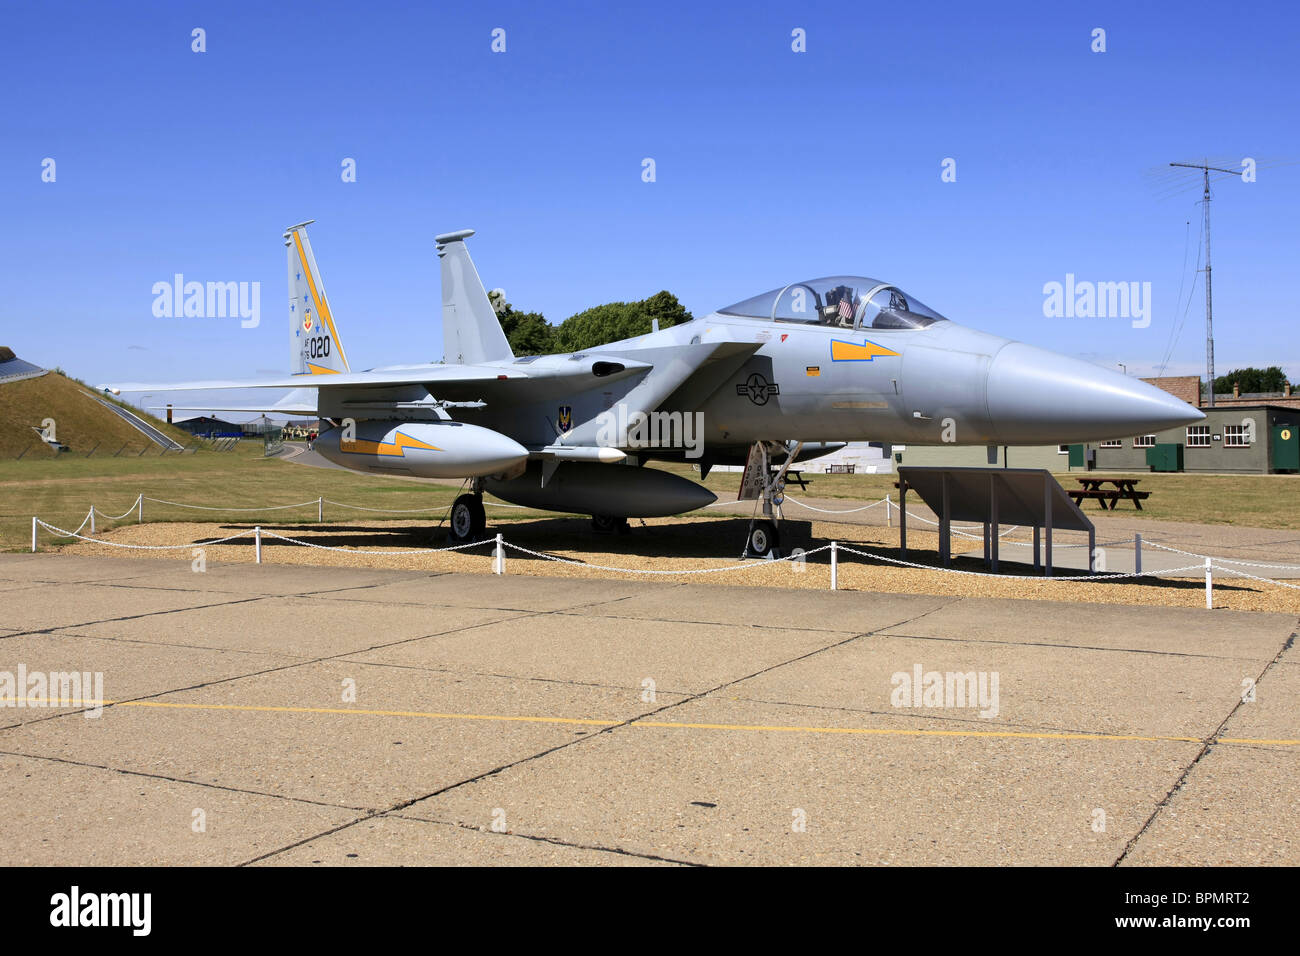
[(1206, 169)]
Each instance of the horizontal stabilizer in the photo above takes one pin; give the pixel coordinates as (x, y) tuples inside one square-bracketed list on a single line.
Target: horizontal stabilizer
[(301, 401), (427, 375)]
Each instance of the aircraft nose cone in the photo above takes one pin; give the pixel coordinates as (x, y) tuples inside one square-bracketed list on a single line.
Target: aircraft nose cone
[(1039, 396)]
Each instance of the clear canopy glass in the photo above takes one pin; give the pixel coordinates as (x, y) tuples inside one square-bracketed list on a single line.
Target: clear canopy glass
[(846, 302)]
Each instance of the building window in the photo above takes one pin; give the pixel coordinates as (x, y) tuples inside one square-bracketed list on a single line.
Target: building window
[(1236, 436), (1198, 436), (1062, 449), (1112, 443), (1144, 441)]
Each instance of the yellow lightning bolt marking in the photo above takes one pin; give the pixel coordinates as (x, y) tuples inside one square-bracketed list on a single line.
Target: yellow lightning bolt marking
[(857, 351), (395, 448)]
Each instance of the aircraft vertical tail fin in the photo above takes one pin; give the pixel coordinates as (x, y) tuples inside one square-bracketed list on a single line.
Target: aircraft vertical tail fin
[(471, 332), (314, 345)]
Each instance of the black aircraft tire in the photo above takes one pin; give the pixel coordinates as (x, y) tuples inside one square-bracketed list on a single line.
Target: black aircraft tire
[(609, 524), (763, 540), (467, 519)]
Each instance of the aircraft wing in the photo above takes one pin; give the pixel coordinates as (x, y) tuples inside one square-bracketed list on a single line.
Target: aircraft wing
[(301, 401), (433, 376), (417, 375), (300, 409)]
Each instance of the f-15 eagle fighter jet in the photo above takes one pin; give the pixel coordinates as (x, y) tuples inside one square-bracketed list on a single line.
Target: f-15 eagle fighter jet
[(783, 376)]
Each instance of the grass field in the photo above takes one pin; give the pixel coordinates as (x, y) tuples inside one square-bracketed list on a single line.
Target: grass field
[(61, 491), (1257, 501)]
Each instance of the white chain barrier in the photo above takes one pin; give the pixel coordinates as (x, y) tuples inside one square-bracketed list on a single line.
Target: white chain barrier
[(133, 507), (177, 504), (747, 565), (59, 532), (1108, 576), (1247, 564), (825, 511), (326, 547), (499, 546), (409, 511), (1255, 577), (956, 529)]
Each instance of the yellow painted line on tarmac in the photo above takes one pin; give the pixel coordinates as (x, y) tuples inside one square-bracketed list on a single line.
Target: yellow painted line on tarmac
[(369, 713), (684, 725)]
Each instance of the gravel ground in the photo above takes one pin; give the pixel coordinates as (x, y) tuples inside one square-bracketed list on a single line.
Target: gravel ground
[(682, 545)]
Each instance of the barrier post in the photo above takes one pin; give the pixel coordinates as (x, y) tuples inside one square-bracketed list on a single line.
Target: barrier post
[(139, 503), (1209, 585), (1137, 552), (499, 557), (889, 514), (257, 543), (92, 519), (835, 566), (320, 508), (33, 534)]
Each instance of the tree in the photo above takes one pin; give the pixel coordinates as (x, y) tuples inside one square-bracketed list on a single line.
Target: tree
[(619, 320), (1252, 380), (530, 334), (527, 332)]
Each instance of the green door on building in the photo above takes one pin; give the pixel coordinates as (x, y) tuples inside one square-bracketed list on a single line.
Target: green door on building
[(1286, 448)]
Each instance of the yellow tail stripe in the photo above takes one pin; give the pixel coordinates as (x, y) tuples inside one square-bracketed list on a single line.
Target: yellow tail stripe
[(322, 308)]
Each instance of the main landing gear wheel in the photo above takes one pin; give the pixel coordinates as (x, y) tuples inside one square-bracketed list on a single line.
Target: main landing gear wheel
[(468, 519), (609, 524), (764, 541)]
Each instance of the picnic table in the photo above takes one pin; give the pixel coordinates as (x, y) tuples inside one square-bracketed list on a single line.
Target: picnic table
[(1096, 490), (794, 477)]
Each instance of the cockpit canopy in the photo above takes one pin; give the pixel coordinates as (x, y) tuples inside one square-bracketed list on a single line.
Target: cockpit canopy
[(844, 302)]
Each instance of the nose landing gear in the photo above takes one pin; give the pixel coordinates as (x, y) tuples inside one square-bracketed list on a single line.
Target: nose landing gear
[(468, 520), (763, 483), (763, 540)]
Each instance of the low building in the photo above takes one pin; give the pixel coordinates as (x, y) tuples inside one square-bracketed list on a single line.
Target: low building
[(205, 426), (1233, 439), (1236, 438)]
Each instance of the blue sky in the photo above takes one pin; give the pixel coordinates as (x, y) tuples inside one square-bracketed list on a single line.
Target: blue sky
[(771, 166)]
